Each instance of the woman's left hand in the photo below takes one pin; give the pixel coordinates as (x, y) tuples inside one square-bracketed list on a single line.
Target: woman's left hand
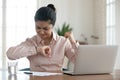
[(70, 36)]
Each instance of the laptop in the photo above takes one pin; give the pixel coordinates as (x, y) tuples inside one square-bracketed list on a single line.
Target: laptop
[(94, 59)]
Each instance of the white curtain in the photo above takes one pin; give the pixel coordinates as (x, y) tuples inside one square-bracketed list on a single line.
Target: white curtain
[(0, 32)]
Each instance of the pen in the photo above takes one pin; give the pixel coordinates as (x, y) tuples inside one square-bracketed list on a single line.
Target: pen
[(28, 72)]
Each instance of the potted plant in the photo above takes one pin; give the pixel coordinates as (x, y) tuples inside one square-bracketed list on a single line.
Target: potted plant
[(65, 28)]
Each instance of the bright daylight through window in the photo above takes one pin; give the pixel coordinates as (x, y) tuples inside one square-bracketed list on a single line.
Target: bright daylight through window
[(18, 24), (111, 29)]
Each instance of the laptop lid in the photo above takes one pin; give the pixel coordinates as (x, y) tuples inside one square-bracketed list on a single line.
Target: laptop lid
[(95, 59)]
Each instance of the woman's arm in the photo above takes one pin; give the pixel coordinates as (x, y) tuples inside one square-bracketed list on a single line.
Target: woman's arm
[(71, 46), (26, 48)]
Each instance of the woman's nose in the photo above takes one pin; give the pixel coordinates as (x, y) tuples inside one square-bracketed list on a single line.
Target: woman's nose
[(41, 31)]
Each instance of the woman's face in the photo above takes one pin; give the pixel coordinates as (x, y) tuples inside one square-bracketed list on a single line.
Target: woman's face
[(44, 29)]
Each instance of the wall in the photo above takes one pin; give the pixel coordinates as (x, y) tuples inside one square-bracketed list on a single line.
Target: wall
[(82, 18), (100, 21)]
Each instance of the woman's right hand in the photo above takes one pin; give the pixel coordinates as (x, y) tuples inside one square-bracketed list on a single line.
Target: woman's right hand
[(45, 51)]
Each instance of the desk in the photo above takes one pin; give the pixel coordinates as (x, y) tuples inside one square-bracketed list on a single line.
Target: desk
[(21, 76)]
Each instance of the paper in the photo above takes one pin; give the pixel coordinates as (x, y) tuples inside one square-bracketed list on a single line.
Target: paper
[(45, 73)]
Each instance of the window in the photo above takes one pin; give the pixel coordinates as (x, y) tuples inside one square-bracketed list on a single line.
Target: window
[(19, 24), (110, 22), (0, 32)]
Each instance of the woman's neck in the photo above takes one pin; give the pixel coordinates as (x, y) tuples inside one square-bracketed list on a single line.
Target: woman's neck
[(47, 41)]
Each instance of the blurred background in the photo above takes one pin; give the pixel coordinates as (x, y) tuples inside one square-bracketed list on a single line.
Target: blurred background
[(93, 22)]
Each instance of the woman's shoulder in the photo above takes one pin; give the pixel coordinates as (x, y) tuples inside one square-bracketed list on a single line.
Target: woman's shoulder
[(61, 38), (33, 38)]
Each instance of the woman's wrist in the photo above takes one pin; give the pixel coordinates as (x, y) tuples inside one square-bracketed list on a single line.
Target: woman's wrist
[(36, 49), (72, 40)]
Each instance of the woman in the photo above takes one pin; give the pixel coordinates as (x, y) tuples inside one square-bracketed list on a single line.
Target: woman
[(46, 50)]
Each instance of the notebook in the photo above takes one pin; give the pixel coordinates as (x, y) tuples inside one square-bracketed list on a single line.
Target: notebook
[(94, 59)]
